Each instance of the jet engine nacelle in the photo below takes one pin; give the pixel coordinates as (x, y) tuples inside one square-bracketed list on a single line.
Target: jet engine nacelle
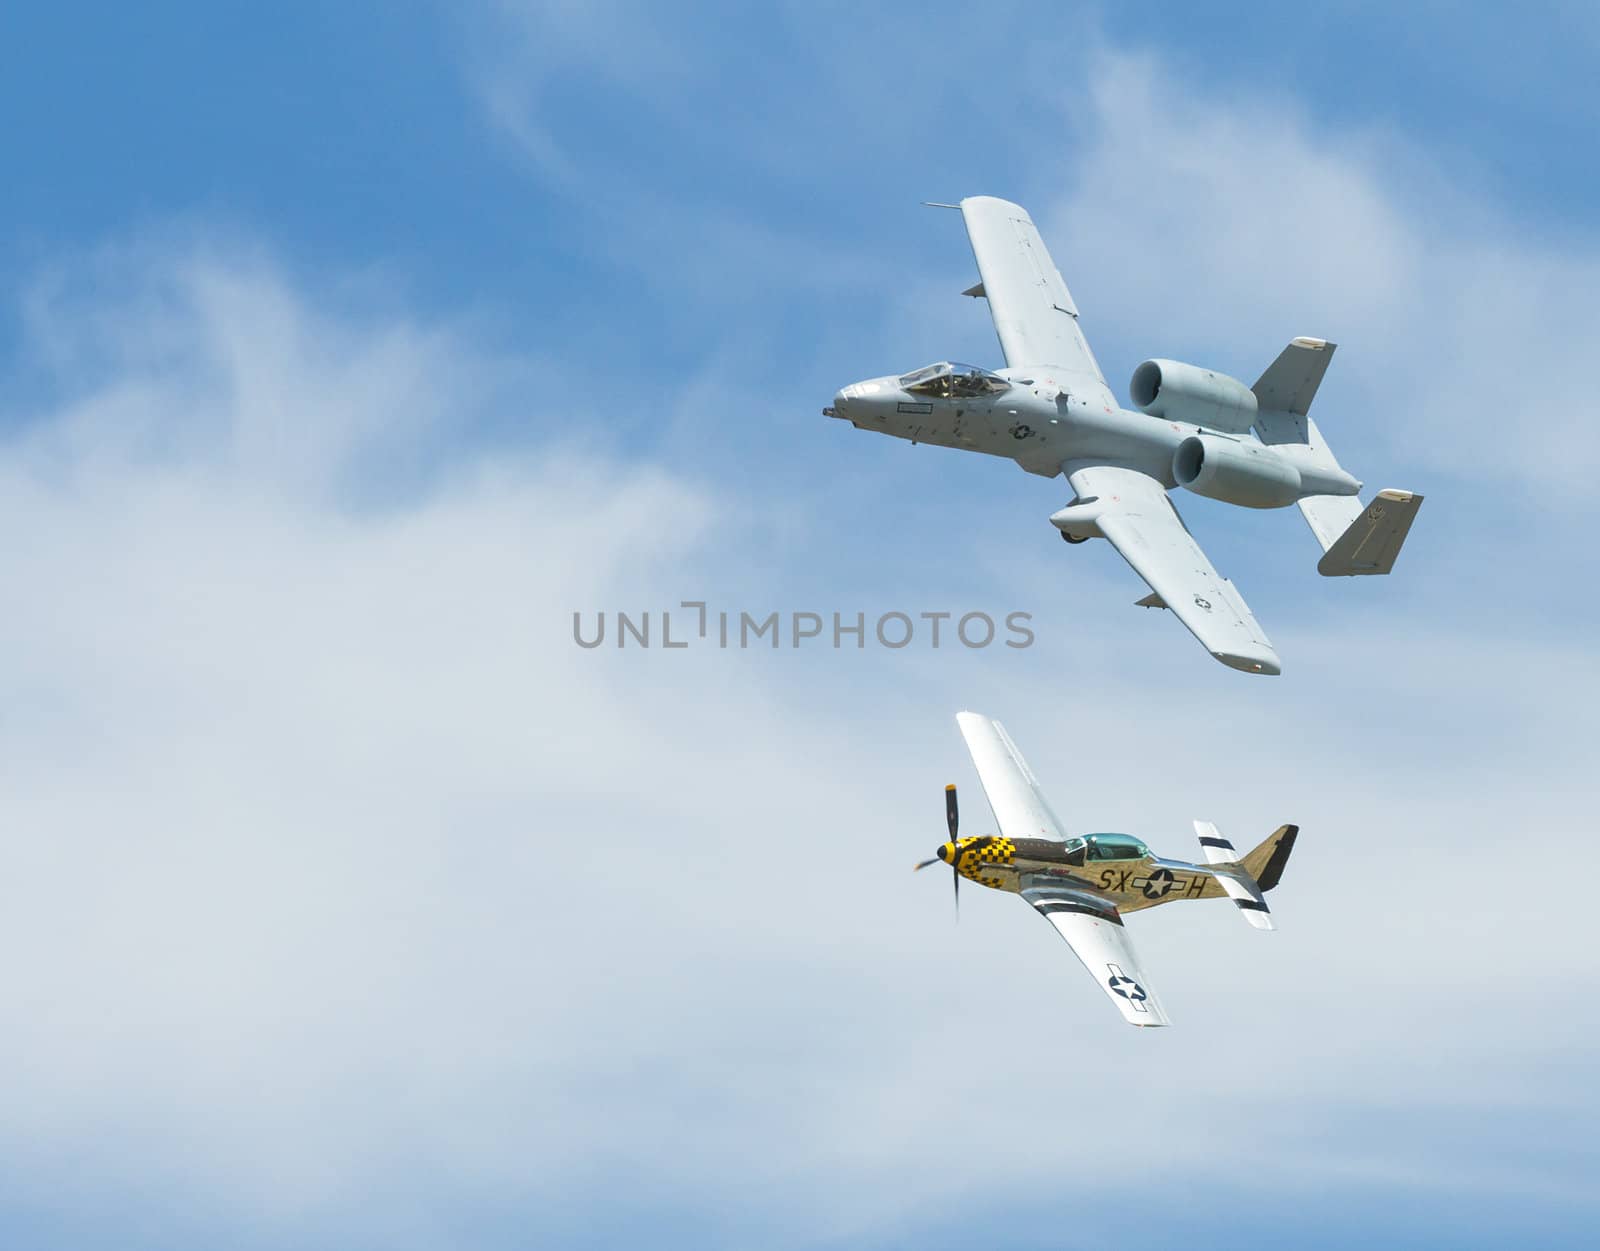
[(1236, 472), (1187, 393)]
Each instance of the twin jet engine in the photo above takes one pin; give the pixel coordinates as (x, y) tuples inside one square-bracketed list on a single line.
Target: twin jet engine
[(1214, 462)]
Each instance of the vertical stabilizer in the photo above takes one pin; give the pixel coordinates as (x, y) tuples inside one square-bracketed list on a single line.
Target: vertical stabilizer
[(1353, 540), (1370, 543)]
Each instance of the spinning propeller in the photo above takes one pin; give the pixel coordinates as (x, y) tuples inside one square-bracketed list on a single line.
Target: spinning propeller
[(952, 817)]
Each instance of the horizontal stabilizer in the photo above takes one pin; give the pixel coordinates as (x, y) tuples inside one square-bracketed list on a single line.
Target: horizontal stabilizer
[(1372, 541), (1231, 876), (1252, 907), (1329, 516), (1217, 849)]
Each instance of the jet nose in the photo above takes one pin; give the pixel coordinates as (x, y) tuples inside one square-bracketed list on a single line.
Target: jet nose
[(861, 400)]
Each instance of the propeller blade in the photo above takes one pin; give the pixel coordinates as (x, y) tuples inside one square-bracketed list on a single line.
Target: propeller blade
[(951, 815), (956, 852), (926, 863)]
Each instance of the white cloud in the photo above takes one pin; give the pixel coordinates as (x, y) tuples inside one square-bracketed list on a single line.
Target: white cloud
[(333, 858), (272, 747), (335, 863)]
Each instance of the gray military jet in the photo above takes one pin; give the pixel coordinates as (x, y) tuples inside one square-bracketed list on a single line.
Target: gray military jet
[(1084, 885), (1051, 411)]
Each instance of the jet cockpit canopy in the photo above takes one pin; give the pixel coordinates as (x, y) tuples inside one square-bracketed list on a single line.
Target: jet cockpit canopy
[(951, 380)]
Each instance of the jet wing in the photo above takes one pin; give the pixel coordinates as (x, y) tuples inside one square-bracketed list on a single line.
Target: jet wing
[(1134, 513), (1032, 309), (1093, 929), (1009, 785)]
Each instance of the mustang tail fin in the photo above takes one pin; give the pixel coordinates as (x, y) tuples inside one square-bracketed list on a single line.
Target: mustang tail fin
[(1265, 862), (1247, 880)]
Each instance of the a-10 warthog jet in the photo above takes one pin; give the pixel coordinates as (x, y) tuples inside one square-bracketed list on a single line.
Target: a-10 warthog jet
[(1083, 886), (1051, 411)]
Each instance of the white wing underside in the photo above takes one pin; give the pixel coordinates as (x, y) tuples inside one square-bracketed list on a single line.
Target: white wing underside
[(1097, 937), (1037, 321), (1089, 922), (1019, 806), (1139, 520), (1032, 309)]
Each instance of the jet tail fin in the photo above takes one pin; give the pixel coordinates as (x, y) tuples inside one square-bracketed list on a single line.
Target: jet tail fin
[(1247, 880), (1283, 395), (1354, 540), (1291, 381)]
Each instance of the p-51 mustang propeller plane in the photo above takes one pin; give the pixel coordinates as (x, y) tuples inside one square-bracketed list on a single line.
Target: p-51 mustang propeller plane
[(1082, 886), (1051, 411)]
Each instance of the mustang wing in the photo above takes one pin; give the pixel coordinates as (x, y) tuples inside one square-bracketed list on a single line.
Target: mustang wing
[(1032, 309), (1013, 792), (1093, 929), (1142, 524)]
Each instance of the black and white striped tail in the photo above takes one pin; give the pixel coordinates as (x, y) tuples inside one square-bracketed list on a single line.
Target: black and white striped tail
[(1241, 887)]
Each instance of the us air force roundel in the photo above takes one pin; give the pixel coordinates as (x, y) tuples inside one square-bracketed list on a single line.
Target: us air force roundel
[(1158, 884), (1126, 987)]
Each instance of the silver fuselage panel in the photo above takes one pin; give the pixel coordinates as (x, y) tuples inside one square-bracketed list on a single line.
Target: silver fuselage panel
[(1037, 422)]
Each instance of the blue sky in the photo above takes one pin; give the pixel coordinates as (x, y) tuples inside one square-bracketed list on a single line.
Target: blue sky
[(345, 355)]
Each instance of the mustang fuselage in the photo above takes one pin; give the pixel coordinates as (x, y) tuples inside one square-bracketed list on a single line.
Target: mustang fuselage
[(1130, 881)]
